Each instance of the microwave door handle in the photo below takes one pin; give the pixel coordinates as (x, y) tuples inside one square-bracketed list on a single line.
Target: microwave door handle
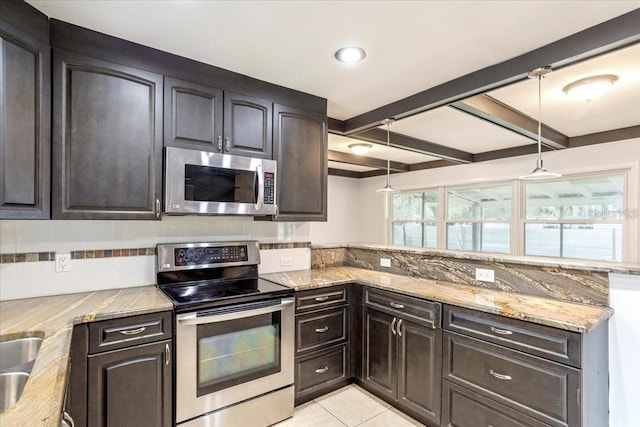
[(193, 319), (260, 188)]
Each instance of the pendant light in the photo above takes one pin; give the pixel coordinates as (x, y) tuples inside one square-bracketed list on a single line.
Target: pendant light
[(539, 172), (387, 188)]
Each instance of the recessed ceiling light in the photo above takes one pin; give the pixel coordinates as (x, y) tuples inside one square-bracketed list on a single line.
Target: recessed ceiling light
[(350, 54), (590, 87), (360, 148)]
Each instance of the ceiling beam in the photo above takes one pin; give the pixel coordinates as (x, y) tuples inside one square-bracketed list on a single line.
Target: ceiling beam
[(604, 37), (345, 173), (432, 164), (631, 132), (496, 112), (404, 142), (522, 150), (335, 126), (370, 162)]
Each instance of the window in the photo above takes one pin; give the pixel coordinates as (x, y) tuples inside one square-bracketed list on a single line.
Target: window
[(478, 219), (575, 218), (414, 219)]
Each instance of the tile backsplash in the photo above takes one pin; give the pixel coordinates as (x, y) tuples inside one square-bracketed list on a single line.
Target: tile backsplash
[(114, 254)]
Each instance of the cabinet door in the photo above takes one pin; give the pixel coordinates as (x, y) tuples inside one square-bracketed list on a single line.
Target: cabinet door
[(248, 126), (300, 147), (25, 113), (192, 115), (420, 369), (107, 140), (380, 358), (131, 387)]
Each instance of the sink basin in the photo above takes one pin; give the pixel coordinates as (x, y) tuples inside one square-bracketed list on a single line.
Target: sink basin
[(15, 353), (11, 387), (16, 361)]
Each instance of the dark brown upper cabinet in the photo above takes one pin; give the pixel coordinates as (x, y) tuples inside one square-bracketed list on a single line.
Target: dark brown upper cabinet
[(25, 112), (300, 147), (192, 115), (203, 118), (107, 140), (248, 125)]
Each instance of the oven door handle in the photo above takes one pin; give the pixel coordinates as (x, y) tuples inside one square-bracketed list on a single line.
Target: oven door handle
[(193, 319)]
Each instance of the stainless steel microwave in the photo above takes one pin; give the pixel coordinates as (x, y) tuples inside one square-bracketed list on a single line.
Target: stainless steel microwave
[(208, 183)]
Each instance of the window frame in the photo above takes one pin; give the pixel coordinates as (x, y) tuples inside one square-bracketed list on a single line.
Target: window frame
[(435, 221)]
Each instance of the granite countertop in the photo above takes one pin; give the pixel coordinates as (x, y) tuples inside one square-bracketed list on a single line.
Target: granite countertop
[(585, 265), (574, 317), (53, 318)]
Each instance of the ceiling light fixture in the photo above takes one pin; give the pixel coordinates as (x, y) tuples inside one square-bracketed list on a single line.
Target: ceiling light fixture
[(350, 54), (387, 188), (590, 88), (539, 172), (360, 148)]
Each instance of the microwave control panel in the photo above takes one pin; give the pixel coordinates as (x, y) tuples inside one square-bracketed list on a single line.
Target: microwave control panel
[(269, 188)]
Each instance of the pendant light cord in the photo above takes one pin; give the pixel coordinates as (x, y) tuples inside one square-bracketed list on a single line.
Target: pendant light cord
[(388, 157), (539, 119)]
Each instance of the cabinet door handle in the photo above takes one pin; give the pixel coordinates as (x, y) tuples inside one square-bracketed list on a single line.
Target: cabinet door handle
[(322, 330), (67, 418), (227, 143), (134, 331), (219, 142), (398, 328), (396, 305), (322, 299), (157, 207), (500, 376), (393, 326), (322, 370), (167, 353), (501, 331)]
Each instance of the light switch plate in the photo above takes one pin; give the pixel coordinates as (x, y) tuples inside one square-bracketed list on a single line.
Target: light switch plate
[(385, 262), (485, 275)]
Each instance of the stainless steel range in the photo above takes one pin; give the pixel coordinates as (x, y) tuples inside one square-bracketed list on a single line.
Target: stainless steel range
[(234, 335)]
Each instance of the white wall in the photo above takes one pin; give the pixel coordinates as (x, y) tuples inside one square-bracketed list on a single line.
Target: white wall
[(625, 154), (344, 215), (624, 348)]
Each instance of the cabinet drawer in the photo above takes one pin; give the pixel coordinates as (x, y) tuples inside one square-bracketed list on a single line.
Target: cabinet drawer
[(127, 331), (464, 408), (551, 343), (422, 311), (542, 389), (324, 298), (318, 329), (321, 369)]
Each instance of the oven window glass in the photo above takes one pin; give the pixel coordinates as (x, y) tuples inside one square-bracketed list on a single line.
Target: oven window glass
[(237, 351), (211, 184)]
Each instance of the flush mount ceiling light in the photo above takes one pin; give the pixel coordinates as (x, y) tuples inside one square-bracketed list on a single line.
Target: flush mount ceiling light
[(539, 172), (387, 188), (360, 148), (350, 54), (590, 88)]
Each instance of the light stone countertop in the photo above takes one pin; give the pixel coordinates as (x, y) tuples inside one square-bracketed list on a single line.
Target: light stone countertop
[(53, 318), (569, 316)]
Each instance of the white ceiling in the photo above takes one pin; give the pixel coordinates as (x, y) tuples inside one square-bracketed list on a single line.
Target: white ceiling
[(411, 46)]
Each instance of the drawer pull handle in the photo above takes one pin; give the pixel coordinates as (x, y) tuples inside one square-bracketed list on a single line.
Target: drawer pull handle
[(322, 330), (501, 331), (500, 376), (322, 299), (393, 326), (167, 352), (134, 331), (396, 305), (322, 370), (399, 328)]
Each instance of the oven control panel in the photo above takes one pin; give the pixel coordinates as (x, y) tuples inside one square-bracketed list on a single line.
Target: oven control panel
[(207, 255)]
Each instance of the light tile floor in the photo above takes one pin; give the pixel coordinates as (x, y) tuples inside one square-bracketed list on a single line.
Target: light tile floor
[(349, 406)]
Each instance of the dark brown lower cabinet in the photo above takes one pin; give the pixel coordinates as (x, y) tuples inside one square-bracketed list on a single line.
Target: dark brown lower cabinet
[(402, 363), (130, 387)]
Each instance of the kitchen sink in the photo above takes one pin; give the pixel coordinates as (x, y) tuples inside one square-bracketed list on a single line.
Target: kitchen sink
[(16, 361), (11, 387)]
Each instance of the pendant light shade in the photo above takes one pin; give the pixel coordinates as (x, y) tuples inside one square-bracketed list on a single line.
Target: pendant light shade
[(387, 188), (539, 172)]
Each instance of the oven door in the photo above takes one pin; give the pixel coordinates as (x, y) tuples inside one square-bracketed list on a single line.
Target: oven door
[(203, 182), (231, 354)]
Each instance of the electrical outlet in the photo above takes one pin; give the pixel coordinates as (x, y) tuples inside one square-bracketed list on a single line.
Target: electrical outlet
[(63, 262), (485, 275), (286, 262), (385, 262)]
